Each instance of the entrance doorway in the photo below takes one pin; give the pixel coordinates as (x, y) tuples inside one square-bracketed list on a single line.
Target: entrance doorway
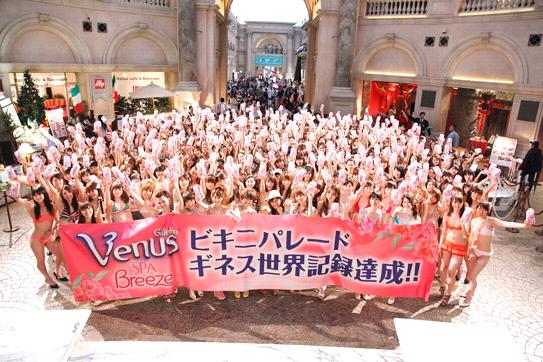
[(479, 115)]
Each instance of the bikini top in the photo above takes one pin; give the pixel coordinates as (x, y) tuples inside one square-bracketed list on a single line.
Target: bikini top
[(44, 218), (452, 227), (116, 210), (65, 214), (485, 230)]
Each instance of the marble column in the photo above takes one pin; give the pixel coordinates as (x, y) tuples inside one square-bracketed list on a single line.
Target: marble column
[(342, 96), (290, 71), (187, 88), (249, 67)]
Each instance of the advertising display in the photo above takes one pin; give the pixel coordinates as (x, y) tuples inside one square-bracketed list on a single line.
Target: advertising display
[(157, 255), (503, 151), (128, 82)]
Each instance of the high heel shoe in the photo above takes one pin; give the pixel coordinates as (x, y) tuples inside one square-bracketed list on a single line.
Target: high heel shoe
[(61, 279), (53, 286)]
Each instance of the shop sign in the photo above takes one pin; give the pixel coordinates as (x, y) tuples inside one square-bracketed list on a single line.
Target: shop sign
[(503, 151), (128, 82), (101, 88), (99, 83), (44, 79), (269, 60)]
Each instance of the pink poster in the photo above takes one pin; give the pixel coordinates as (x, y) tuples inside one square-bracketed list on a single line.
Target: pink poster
[(155, 256)]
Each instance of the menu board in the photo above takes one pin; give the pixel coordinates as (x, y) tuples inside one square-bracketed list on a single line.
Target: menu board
[(503, 151)]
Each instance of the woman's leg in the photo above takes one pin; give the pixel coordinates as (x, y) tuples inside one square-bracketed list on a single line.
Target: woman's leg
[(39, 253), (444, 267), (55, 248), (476, 268), (454, 265)]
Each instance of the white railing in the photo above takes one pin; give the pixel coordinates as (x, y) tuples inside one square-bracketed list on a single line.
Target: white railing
[(479, 6), (392, 8), (149, 4)]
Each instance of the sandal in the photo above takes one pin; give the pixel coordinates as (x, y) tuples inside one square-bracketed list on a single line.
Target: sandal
[(237, 295), (219, 295), (445, 300), (466, 302), (441, 292), (320, 294), (246, 294), (192, 295)]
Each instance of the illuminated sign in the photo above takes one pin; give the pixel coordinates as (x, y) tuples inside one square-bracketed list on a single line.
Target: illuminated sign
[(269, 60)]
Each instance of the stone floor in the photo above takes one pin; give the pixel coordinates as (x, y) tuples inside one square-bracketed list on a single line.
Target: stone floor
[(510, 295)]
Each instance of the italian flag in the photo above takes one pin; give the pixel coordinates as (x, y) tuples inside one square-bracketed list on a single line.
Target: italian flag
[(76, 100), (115, 94)]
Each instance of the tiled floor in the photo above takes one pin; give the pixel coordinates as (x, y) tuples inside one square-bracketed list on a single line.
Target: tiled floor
[(510, 295)]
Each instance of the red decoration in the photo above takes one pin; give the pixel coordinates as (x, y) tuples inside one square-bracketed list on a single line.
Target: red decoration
[(483, 111), (386, 96)]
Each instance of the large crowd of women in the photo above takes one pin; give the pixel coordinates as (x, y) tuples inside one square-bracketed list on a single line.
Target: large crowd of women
[(252, 160)]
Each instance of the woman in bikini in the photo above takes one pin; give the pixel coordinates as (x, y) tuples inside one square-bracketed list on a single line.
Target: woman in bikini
[(480, 244), (249, 199), (86, 215), (93, 196), (147, 190), (453, 246), (219, 206), (118, 202), (405, 215), (43, 214)]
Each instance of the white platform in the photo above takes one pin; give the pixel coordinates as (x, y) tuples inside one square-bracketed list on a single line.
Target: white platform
[(223, 352), (426, 341), (40, 336)]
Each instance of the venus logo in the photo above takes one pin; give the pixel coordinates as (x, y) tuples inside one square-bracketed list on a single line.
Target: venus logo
[(165, 245), (99, 83)]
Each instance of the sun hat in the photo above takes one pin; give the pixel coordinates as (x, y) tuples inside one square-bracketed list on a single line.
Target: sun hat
[(273, 194)]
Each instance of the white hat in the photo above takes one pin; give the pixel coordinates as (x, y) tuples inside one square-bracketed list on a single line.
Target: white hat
[(273, 194), (277, 171)]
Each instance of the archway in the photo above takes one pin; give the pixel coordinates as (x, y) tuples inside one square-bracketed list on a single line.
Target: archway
[(34, 28), (477, 50), (165, 49), (283, 46)]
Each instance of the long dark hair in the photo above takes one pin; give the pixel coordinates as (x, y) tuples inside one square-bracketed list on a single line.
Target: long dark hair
[(83, 206), (46, 201), (459, 199), (74, 203)]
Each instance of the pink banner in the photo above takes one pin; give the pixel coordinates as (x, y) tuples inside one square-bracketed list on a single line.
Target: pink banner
[(154, 256)]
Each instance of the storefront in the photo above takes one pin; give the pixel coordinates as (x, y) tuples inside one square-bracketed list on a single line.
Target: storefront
[(388, 99), (128, 82), (479, 115), (53, 87)]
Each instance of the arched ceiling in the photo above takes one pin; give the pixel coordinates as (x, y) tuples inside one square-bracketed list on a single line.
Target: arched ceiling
[(311, 5)]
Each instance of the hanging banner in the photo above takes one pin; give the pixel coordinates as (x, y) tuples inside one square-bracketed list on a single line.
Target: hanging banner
[(100, 87), (156, 255), (269, 60)]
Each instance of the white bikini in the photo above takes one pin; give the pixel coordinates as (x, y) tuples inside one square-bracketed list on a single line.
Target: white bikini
[(486, 231)]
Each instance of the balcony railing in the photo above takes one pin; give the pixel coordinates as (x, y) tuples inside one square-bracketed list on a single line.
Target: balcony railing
[(146, 4), (483, 6), (395, 8)]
